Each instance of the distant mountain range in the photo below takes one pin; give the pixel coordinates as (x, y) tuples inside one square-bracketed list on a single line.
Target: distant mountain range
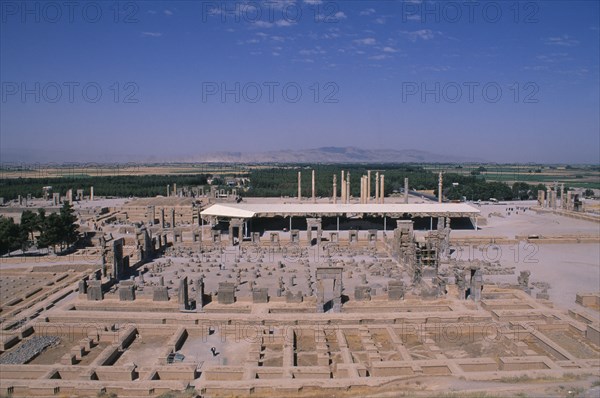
[(315, 155), (333, 155)]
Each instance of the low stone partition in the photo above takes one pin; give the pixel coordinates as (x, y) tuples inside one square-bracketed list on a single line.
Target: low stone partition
[(592, 333), (108, 356), (524, 363), (223, 373), (477, 365), (187, 372), (52, 387), (589, 300), (581, 316), (310, 372), (22, 371), (176, 341), (389, 368), (116, 373), (8, 341), (521, 315)]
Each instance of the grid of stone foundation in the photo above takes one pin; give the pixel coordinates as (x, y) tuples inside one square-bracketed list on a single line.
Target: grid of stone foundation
[(141, 353)]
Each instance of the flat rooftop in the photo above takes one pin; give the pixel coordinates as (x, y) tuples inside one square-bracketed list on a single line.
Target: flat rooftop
[(252, 210)]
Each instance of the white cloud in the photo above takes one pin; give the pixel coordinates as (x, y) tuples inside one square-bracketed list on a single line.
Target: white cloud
[(368, 11), (168, 12), (380, 21), (313, 2), (315, 51), (284, 22), (437, 68), (552, 57), (151, 34), (331, 35), (379, 57), (369, 41), (423, 34), (536, 68), (340, 15), (279, 23), (564, 40), (262, 24), (389, 50)]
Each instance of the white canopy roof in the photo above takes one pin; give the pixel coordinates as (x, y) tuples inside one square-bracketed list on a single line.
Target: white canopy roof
[(250, 210)]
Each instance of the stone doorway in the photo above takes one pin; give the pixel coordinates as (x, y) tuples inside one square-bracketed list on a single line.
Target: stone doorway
[(324, 274)]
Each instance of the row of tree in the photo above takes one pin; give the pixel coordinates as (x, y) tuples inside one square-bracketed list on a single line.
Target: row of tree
[(122, 186), (283, 181), (54, 230)]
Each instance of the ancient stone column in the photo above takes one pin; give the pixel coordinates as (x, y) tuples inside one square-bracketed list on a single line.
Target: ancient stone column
[(299, 185), (172, 218), (476, 285), (199, 295), (83, 286), (348, 187), (368, 185), (168, 191), (541, 197), (362, 189), (91, 193), (334, 189), (440, 186), (183, 294), (103, 264), (174, 189), (337, 295), (562, 195), (343, 197), (320, 297), (377, 187), (314, 196), (382, 187), (406, 190)]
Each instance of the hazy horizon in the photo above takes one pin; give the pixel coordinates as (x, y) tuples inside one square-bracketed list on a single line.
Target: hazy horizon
[(506, 82)]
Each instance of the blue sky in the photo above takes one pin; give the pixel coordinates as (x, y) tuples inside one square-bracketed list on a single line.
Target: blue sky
[(505, 81)]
